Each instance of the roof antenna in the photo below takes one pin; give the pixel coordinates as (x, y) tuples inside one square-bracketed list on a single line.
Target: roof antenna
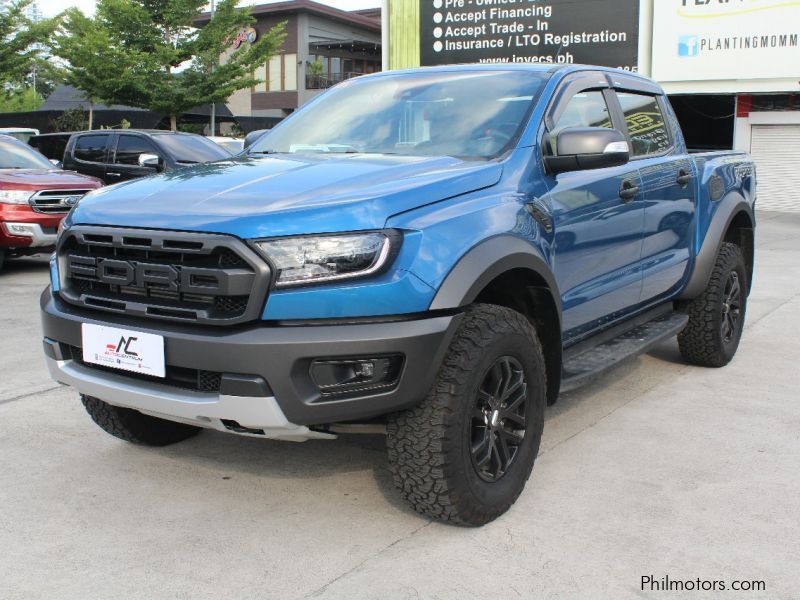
[(563, 45)]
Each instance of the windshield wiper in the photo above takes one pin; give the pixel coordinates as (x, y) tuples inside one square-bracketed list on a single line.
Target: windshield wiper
[(263, 152)]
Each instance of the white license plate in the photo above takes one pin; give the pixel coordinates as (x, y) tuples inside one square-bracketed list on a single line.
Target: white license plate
[(123, 349)]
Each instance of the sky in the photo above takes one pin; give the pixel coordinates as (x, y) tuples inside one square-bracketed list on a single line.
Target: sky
[(53, 7)]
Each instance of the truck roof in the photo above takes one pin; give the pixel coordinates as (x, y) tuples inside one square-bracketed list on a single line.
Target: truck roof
[(143, 131), (536, 68)]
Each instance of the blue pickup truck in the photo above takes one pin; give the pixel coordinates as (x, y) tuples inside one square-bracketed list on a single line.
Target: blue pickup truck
[(434, 254)]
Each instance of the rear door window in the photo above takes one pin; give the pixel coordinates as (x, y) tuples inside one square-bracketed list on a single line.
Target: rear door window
[(91, 148), (646, 124), (129, 147)]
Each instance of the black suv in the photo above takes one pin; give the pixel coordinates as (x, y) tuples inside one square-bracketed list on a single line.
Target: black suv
[(52, 145), (115, 156)]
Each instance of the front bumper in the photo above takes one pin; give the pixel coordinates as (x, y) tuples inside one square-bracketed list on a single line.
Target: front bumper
[(274, 359), (28, 235), (21, 227), (254, 415)]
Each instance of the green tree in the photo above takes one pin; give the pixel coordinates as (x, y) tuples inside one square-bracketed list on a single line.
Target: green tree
[(69, 120), (23, 47), (20, 100), (151, 53), (88, 50)]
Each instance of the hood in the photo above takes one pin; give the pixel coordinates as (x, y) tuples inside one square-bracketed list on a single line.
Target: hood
[(45, 179), (285, 194)]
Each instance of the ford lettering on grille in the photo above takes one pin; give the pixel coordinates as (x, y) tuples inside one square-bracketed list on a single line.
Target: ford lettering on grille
[(190, 280), (205, 278)]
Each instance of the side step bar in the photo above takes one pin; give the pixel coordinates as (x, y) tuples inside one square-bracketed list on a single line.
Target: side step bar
[(587, 365)]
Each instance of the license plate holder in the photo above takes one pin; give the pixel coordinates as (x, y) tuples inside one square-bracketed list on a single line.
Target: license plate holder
[(123, 349)]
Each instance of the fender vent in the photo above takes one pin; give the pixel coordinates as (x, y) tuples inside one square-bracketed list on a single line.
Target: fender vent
[(716, 187)]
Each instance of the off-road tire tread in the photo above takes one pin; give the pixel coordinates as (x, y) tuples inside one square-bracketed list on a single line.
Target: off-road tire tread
[(700, 341), (416, 440), (132, 426)]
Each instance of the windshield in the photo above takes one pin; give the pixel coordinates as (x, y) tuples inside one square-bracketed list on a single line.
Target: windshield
[(468, 114), (232, 146), (16, 155), (192, 148)]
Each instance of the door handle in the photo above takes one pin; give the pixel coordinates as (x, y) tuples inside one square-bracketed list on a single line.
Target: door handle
[(683, 177), (114, 174), (628, 191)]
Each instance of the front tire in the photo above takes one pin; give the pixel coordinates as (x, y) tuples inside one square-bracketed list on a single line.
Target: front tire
[(716, 317), (463, 455), (135, 427)]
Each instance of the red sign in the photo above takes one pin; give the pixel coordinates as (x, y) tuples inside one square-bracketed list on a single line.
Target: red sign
[(248, 35)]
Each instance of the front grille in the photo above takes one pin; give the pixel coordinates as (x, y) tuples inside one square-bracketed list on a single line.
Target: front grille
[(180, 377), (55, 201), (165, 275)]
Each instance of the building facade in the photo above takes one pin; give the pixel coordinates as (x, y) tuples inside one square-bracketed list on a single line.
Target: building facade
[(33, 11), (731, 67), (323, 46)]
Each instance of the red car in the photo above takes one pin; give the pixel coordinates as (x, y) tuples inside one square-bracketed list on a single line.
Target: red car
[(34, 197)]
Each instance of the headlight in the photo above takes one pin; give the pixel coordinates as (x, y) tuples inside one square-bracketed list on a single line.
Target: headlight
[(15, 196), (310, 259)]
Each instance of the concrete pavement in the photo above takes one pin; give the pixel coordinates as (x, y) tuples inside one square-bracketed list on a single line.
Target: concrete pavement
[(658, 469)]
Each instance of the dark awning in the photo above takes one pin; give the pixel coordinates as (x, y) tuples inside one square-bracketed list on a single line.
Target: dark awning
[(359, 46)]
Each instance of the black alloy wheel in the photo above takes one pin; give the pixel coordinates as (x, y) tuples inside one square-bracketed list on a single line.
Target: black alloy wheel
[(498, 422), (731, 307)]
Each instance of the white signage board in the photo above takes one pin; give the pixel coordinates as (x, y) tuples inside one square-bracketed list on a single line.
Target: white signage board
[(123, 349), (697, 40)]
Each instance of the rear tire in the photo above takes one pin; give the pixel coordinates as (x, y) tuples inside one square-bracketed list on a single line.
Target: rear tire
[(2, 258), (716, 317), (463, 455), (132, 426)]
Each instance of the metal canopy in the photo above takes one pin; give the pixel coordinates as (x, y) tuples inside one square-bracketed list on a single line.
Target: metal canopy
[(350, 45)]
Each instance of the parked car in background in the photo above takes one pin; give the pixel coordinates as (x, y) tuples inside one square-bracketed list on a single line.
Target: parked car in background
[(34, 197), (23, 134), (232, 145), (115, 156), (51, 145)]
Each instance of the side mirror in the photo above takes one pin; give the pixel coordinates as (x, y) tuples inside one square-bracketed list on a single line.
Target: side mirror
[(251, 137), (579, 148), (149, 160)]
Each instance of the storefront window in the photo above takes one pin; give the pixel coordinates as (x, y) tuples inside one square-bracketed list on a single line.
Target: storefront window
[(275, 74), (290, 72), (261, 75), (336, 69)]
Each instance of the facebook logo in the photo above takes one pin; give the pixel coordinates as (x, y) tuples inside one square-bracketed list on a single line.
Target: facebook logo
[(688, 45)]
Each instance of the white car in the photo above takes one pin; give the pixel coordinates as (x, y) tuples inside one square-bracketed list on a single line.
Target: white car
[(23, 134)]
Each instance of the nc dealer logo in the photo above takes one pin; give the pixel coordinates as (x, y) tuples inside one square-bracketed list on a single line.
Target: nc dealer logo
[(688, 45)]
